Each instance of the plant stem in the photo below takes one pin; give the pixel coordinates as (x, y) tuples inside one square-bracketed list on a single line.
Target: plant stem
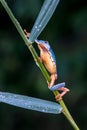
[(41, 66)]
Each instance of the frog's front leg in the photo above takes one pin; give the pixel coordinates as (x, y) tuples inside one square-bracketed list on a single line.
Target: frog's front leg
[(26, 33)]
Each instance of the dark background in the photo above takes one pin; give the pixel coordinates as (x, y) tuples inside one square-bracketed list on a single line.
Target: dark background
[(67, 34)]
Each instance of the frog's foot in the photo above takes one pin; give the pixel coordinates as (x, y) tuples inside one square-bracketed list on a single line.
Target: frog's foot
[(60, 87), (65, 90), (59, 96), (26, 33), (36, 60)]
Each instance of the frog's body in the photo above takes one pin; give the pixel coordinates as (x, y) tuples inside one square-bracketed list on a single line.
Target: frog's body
[(47, 57)]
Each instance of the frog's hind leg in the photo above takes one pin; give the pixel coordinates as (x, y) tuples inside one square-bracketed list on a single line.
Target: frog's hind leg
[(53, 78), (60, 87)]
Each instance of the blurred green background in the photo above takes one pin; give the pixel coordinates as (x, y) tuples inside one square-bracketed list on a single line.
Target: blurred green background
[(67, 34)]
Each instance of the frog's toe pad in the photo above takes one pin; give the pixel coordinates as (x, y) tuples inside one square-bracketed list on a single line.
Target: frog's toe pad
[(58, 97)]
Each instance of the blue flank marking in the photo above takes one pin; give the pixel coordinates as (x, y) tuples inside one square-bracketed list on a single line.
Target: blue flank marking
[(52, 55), (55, 87), (49, 50)]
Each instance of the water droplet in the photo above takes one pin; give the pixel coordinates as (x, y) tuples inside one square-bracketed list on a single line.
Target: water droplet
[(36, 27), (40, 25)]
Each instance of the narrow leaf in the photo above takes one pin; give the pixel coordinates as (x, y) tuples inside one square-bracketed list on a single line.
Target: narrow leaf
[(44, 16), (30, 103)]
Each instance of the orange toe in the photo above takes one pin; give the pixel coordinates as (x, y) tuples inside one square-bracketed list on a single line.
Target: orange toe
[(58, 97)]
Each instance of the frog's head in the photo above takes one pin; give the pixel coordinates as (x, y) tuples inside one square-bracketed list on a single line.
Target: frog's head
[(43, 44)]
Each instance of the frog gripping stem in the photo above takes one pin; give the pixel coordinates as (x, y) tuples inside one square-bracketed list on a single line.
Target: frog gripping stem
[(60, 87), (26, 33)]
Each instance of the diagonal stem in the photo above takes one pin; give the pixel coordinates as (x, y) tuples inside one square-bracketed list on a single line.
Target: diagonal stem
[(41, 66)]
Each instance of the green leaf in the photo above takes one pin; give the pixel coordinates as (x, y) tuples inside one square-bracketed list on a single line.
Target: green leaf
[(30, 103), (44, 16)]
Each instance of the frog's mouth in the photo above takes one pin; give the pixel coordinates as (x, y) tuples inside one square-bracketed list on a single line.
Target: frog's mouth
[(42, 47), (37, 41)]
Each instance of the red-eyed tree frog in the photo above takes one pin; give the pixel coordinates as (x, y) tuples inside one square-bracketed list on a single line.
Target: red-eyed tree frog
[(47, 57)]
